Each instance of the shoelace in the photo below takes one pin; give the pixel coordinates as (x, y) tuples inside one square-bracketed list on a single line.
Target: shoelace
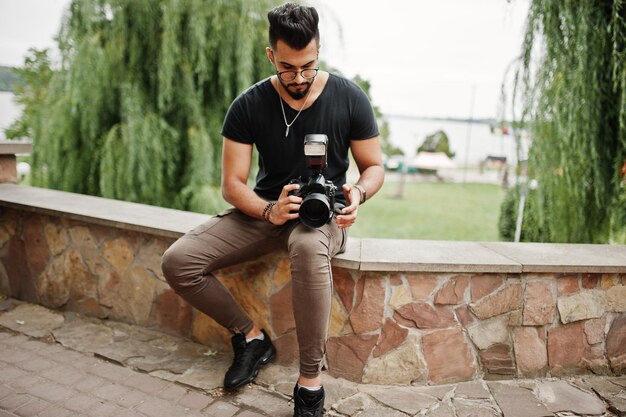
[(243, 355)]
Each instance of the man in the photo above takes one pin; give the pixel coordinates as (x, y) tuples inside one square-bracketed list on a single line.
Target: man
[(275, 115)]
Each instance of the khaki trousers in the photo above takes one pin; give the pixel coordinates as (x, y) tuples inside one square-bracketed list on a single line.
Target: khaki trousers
[(232, 237)]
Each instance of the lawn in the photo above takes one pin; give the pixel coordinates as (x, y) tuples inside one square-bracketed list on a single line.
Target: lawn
[(433, 211)]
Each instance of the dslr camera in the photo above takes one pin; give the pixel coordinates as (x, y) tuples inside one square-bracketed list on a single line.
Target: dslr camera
[(318, 194)]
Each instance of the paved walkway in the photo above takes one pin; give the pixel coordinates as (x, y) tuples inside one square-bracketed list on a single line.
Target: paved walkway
[(54, 364)]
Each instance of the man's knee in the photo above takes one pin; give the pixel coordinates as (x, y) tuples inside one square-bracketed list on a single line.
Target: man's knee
[(180, 266)]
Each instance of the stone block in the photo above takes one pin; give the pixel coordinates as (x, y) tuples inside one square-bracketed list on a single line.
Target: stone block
[(347, 355), (503, 301), (287, 349), (483, 285), (252, 292), (448, 357), (567, 284), (400, 296), (391, 336), (339, 319), (616, 299), (282, 273), (608, 280), (616, 345), (422, 286), (594, 330), (582, 306), (402, 365), (173, 313), (464, 316), (150, 255), (281, 308), (539, 304), (367, 314), (568, 350), (590, 281), (497, 360), (486, 333), (453, 291), (118, 253), (56, 238), (54, 285), (344, 286), (531, 354), (134, 297), (424, 316)]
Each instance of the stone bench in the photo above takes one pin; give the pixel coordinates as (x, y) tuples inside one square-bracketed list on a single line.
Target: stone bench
[(404, 311)]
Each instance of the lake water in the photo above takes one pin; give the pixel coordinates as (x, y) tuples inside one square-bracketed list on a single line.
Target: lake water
[(406, 133)]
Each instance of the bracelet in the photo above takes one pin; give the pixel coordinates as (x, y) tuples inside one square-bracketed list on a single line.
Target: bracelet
[(267, 210), (362, 191)]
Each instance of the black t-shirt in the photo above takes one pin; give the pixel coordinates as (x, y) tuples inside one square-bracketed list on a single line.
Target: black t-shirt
[(342, 112)]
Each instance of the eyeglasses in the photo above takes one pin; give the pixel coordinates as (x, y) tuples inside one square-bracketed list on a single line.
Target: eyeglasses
[(307, 74)]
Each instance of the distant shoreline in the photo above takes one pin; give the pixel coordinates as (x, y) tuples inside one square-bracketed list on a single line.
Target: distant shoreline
[(442, 119)]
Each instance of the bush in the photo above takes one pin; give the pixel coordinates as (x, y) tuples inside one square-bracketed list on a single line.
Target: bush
[(532, 231)]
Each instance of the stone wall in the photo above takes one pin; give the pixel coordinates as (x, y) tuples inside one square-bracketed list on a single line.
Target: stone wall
[(391, 327)]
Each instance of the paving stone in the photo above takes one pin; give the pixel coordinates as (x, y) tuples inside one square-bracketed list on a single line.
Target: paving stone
[(160, 408), (249, 413), (32, 408), (195, 401), (172, 392), (132, 398), (613, 394), (81, 402), (465, 408), (111, 391), (64, 375), (56, 411), (440, 410), (9, 373), (222, 409), (474, 389), (5, 391), (207, 375), (406, 399), (20, 384), (50, 391), (517, 402), (380, 411), (559, 396), (36, 321), (270, 404), (37, 365), (352, 405), (145, 383), (13, 401)]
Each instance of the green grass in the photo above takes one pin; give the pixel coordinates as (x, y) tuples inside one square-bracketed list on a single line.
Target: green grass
[(433, 211)]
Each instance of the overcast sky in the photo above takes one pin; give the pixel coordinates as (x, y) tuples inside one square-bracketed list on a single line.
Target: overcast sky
[(422, 57)]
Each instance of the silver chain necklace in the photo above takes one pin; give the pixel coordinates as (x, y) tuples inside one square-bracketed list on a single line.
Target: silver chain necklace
[(282, 107)]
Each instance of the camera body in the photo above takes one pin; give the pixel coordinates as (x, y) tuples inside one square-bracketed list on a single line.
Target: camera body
[(317, 193)]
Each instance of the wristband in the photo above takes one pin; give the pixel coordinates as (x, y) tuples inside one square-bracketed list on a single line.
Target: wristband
[(362, 191), (267, 210)]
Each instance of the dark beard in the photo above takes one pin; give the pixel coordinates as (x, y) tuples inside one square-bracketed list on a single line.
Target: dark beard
[(298, 95)]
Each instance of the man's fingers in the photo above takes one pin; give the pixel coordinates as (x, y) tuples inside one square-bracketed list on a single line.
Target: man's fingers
[(288, 188)]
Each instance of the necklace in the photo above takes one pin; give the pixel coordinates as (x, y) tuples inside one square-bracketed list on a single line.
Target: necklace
[(282, 107)]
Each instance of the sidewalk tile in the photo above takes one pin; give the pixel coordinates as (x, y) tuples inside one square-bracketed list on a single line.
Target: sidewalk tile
[(172, 392), (25, 382), (109, 371), (132, 398), (64, 375), (81, 402), (146, 383), (50, 391), (9, 373), (36, 365), (13, 401), (56, 412), (222, 409), (89, 383), (160, 408), (111, 391), (105, 410), (33, 408), (13, 355), (34, 345), (250, 414), (195, 401), (5, 391)]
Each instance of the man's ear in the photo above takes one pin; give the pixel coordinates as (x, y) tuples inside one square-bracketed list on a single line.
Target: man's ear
[(270, 55)]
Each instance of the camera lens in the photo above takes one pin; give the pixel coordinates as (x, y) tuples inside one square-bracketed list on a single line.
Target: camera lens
[(315, 210)]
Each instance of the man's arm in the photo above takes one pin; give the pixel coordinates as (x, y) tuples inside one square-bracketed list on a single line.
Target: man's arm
[(236, 159), (368, 158)]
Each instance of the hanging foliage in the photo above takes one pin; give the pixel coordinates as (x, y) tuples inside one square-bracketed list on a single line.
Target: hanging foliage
[(135, 108), (573, 83)]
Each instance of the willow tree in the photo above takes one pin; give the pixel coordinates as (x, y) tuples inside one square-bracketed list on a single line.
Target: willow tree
[(135, 107), (573, 79)]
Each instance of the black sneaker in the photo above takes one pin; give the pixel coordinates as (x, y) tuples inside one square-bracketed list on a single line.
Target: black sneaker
[(308, 403), (249, 357)]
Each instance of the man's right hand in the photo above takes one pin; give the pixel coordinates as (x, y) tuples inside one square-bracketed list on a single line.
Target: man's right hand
[(287, 206)]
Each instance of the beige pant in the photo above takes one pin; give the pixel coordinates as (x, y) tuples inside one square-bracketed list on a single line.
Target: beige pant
[(232, 237)]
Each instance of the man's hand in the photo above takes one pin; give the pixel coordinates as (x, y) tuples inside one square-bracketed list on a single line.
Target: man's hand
[(287, 206), (349, 213)]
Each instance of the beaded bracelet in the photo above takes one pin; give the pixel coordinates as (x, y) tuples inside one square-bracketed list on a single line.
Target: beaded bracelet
[(267, 210)]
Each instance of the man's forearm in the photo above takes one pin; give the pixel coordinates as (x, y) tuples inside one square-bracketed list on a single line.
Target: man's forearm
[(244, 198), (371, 179)]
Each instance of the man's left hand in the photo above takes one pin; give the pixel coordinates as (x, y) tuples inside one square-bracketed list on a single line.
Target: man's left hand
[(349, 213)]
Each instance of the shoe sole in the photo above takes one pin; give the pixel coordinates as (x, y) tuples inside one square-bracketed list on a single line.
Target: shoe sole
[(263, 360)]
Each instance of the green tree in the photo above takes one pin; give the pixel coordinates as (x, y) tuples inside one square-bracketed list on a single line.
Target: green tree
[(573, 83), (134, 110), (437, 142)]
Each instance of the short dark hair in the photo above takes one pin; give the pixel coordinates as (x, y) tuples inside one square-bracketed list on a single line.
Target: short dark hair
[(296, 25)]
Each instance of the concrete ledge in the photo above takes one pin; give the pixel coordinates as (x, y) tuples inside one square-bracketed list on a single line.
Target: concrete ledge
[(361, 254), (13, 147)]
